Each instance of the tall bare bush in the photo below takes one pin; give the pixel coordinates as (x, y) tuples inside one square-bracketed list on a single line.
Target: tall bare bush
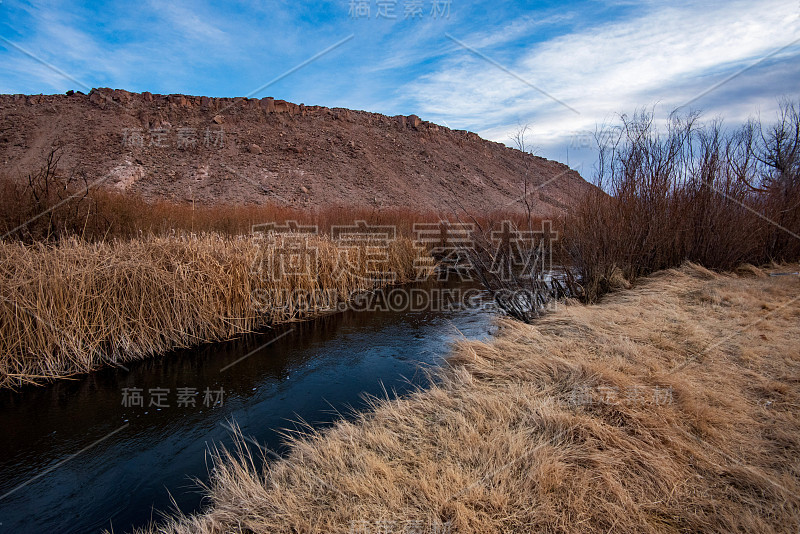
[(691, 191)]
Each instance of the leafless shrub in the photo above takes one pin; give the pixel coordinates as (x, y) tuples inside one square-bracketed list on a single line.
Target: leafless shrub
[(695, 191), (46, 204), (513, 257)]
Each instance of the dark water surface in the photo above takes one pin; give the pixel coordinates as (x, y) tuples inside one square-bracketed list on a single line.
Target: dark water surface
[(88, 462)]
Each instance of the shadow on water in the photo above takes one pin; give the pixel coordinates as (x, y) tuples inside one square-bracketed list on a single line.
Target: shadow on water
[(90, 458)]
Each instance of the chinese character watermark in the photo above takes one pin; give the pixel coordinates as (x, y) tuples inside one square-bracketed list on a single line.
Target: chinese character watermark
[(183, 138), (184, 397), (391, 9), (400, 526), (617, 396)]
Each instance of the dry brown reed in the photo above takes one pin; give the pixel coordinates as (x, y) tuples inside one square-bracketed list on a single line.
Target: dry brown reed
[(62, 205), (71, 307)]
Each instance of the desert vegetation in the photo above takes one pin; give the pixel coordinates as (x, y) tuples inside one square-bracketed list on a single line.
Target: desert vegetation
[(690, 191), (669, 408), (685, 190), (71, 307), (54, 203), (91, 276)]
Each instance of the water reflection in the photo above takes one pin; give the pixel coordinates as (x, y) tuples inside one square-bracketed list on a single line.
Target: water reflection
[(139, 455)]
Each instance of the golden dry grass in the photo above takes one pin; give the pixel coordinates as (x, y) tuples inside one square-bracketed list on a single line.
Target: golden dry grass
[(502, 443), (71, 307)]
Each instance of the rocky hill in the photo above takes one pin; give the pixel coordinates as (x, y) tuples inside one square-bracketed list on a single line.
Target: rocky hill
[(240, 150)]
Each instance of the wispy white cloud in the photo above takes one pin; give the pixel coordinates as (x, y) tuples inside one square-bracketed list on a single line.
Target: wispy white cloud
[(664, 54), (174, 47), (190, 22), (522, 27)]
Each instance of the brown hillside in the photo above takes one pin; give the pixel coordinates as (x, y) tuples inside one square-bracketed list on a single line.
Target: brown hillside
[(244, 150)]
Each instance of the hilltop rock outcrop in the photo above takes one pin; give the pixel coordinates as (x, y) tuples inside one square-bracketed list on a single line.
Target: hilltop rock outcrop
[(256, 150)]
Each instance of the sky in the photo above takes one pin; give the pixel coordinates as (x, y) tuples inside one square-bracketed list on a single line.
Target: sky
[(561, 68)]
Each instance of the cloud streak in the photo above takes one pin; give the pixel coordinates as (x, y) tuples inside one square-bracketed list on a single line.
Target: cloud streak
[(664, 54)]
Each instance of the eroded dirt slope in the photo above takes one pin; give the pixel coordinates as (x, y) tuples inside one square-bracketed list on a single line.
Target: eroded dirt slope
[(258, 150)]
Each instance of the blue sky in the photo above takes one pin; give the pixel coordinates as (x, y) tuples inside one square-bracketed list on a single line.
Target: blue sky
[(561, 67)]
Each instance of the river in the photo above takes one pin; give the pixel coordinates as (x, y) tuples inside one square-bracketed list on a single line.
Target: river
[(112, 448)]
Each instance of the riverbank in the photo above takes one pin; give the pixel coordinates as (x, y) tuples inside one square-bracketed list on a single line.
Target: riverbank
[(74, 306), (671, 407)]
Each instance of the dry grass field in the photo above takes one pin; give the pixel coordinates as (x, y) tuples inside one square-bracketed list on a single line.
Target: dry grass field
[(71, 307), (671, 407)]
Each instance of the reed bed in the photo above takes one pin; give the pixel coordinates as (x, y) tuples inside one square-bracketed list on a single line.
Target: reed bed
[(668, 408), (72, 307), (72, 208)]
